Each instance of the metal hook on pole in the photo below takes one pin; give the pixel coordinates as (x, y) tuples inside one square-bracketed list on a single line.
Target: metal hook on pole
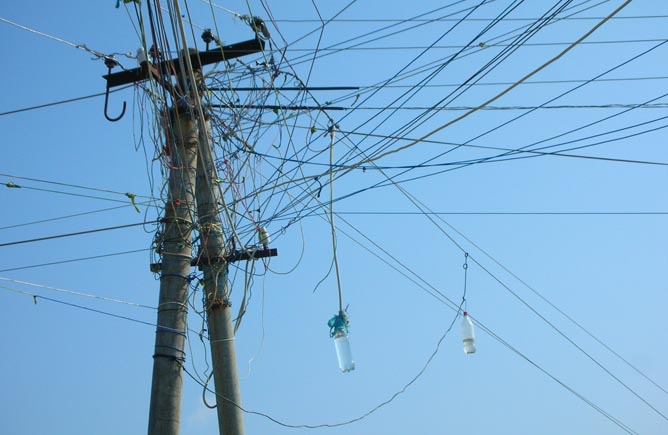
[(110, 62)]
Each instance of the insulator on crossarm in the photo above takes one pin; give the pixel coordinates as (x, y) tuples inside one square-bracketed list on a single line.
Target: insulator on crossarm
[(263, 236), (141, 56)]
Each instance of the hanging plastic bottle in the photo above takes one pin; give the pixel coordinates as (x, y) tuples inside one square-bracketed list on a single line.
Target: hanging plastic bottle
[(468, 335), (338, 330)]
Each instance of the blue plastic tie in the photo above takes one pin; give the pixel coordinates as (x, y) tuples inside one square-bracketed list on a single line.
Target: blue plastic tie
[(338, 323)]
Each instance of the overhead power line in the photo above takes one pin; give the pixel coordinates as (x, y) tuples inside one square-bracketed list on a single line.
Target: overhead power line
[(559, 106), (75, 293), (437, 294), (57, 103), (78, 233), (129, 195), (430, 20), (36, 296), (529, 82), (559, 310), (421, 206), (76, 186), (484, 45), (57, 218), (74, 260), (508, 213), (381, 155), (82, 47)]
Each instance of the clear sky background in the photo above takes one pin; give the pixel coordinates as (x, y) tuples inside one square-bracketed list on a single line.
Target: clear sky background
[(567, 256)]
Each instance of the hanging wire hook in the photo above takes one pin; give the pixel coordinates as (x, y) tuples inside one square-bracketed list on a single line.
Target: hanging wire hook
[(110, 62), (465, 266)]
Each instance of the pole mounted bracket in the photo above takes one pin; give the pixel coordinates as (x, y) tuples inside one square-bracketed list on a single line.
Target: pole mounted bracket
[(248, 254), (172, 67)]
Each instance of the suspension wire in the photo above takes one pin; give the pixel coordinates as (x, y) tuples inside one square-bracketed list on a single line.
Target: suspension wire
[(332, 134)]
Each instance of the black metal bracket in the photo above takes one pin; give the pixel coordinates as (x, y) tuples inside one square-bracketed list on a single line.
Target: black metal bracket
[(173, 67), (248, 254)]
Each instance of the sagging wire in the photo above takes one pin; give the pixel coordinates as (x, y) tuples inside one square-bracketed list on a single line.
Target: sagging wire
[(366, 414), (245, 300), (421, 206), (332, 133), (36, 297), (430, 289), (76, 293), (262, 319)]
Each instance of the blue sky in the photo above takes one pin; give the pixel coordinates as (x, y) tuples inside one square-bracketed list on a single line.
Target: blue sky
[(582, 230)]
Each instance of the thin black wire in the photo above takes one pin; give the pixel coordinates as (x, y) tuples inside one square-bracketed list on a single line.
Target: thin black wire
[(57, 103), (539, 315), (469, 12), (529, 82), (600, 410), (333, 50), (482, 326), (78, 233), (355, 146), (402, 20), (41, 221), (290, 205), (445, 300), (556, 308), (568, 92), (77, 186), (391, 180), (75, 260), (496, 108), (567, 338), (79, 195), (441, 298), (473, 49), (508, 213), (74, 293), (447, 47), (352, 420), (490, 66), (83, 307), (522, 115), (507, 151), (413, 91), (421, 206), (495, 159)]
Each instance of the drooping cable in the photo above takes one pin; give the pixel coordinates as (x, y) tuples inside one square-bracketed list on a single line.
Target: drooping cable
[(332, 134)]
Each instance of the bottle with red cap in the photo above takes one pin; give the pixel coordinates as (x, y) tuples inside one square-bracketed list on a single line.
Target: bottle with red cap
[(468, 335)]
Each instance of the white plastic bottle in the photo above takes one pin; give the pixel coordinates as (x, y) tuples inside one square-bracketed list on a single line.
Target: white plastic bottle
[(468, 335), (343, 352)]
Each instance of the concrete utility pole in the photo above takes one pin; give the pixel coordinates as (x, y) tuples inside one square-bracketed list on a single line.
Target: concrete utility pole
[(213, 263), (192, 178), (175, 246)]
